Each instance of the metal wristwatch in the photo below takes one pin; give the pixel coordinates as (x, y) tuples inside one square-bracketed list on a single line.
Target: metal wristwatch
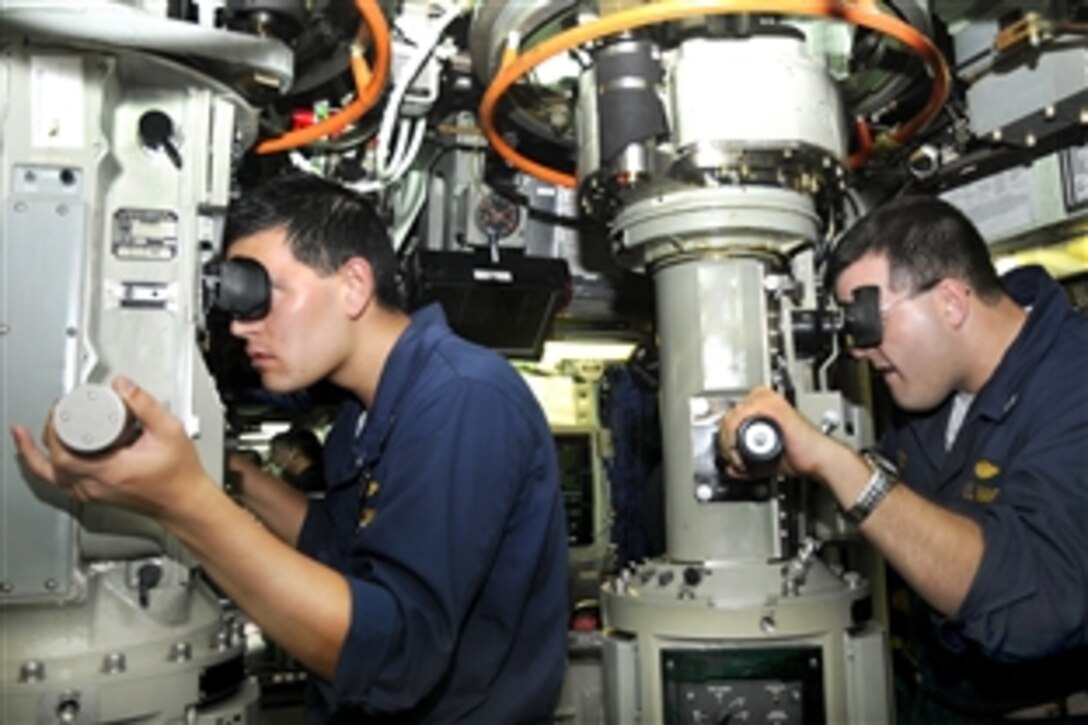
[(885, 475)]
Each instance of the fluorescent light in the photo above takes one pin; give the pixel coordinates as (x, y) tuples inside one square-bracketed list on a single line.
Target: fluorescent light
[(1061, 260), (558, 351)]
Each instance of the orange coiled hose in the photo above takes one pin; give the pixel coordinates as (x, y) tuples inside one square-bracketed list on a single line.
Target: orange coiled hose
[(369, 87), (864, 13)]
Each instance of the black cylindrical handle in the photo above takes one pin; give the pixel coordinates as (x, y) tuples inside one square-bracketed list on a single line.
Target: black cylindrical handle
[(759, 442)]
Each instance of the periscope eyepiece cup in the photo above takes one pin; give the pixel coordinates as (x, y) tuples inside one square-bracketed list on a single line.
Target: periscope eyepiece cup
[(240, 287), (760, 444), (92, 420), (862, 324)]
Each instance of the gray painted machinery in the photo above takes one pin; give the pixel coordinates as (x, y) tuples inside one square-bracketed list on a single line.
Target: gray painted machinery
[(712, 148)]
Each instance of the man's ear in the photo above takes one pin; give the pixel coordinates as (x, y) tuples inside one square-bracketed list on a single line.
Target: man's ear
[(359, 287), (954, 299)]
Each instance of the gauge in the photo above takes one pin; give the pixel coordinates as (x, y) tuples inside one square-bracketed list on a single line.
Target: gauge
[(497, 216)]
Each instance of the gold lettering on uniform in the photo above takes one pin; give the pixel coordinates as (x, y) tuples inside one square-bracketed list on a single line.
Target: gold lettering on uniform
[(367, 516), (979, 493), (369, 512), (985, 469)]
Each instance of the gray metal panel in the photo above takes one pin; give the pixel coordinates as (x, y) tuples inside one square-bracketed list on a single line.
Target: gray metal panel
[(957, 11), (79, 309), (120, 24), (41, 257), (1033, 101), (712, 322), (868, 686), (1023, 206), (621, 680)]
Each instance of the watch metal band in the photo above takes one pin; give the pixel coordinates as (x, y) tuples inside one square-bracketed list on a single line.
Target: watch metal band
[(883, 478)]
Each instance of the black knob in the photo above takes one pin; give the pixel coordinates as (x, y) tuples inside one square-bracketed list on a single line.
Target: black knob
[(759, 443), (157, 133), (692, 576), (148, 577)]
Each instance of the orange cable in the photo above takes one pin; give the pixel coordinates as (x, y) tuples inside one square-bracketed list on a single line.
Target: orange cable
[(865, 144), (859, 12), (367, 93)]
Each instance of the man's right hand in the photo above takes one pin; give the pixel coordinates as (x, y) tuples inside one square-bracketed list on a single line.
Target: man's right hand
[(807, 450), (159, 474)]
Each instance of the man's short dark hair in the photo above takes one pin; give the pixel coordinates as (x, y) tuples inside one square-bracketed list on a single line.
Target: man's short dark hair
[(925, 240), (326, 224)]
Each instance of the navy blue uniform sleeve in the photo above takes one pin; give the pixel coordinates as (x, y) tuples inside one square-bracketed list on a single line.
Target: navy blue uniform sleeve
[(1030, 595), (449, 477), (315, 536)]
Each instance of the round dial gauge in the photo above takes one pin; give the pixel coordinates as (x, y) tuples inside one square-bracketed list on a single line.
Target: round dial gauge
[(497, 216)]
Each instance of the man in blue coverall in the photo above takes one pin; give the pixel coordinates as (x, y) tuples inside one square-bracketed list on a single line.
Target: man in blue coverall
[(429, 584), (978, 493)]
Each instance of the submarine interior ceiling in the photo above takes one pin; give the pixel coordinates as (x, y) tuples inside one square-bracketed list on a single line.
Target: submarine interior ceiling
[(666, 175)]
